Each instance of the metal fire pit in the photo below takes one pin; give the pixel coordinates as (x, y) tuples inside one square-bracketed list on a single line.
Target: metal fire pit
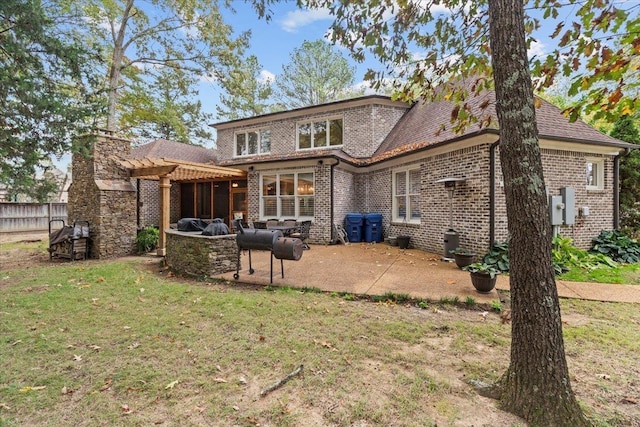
[(267, 240)]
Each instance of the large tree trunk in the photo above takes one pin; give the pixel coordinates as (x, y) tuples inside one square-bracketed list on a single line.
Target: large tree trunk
[(536, 385), (115, 70)]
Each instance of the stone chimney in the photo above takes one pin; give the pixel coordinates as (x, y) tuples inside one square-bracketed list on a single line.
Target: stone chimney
[(102, 193)]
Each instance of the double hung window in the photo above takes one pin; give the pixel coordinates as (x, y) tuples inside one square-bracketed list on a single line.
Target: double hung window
[(319, 134), (287, 195), (252, 143), (406, 195)]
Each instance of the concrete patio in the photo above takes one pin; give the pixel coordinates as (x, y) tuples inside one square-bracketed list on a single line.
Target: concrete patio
[(377, 269)]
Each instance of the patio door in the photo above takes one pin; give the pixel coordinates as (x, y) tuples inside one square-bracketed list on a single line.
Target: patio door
[(238, 200)]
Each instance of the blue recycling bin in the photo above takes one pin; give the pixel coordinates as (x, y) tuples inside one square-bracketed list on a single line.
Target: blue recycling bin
[(373, 227), (353, 225)]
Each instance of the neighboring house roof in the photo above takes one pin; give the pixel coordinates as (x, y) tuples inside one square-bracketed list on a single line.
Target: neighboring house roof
[(164, 148)]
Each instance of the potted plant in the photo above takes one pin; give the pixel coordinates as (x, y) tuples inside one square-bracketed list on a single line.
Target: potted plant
[(483, 276), (462, 256)]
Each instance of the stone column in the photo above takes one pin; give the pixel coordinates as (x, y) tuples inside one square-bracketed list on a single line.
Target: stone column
[(164, 187), (102, 193)]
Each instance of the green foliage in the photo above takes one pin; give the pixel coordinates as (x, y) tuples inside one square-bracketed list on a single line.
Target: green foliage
[(470, 301), (566, 256), (318, 73), (48, 91), (245, 93), (498, 257), (162, 103), (625, 129), (496, 306), (147, 239), (482, 268), (617, 246)]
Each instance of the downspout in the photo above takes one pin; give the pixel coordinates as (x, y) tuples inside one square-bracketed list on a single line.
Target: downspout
[(492, 192), (331, 213), (616, 188), (138, 203)]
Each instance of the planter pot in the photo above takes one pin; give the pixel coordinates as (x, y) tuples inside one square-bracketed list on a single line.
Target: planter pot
[(403, 241), (483, 283), (462, 260)]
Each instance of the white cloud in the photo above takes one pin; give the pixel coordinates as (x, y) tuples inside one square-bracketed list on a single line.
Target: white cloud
[(266, 77), (293, 20), (536, 50)]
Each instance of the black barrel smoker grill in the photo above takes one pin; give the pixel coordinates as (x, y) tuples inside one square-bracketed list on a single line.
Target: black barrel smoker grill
[(273, 241)]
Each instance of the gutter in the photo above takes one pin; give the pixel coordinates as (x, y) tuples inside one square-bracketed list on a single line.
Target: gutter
[(492, 192)]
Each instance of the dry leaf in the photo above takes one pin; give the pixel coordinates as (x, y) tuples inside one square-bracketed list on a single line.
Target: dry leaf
[(100, 279), (242, 380), (66, 390), (77, 358), (219, 380), (4, 406), (30, 388), (630, 400), (125, 409), (134, 346), (172, 384), (95, 347), (106, 385)]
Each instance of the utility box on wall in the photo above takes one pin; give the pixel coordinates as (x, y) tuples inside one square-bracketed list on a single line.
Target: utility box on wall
[(569, 199), (556, 209)]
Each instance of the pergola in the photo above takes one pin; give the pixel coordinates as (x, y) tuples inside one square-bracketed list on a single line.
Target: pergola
[(166, 170)]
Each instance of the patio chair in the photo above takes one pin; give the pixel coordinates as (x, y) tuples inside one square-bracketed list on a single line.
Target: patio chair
[(272, 221), (290, 223), (303, 233), (262, 225)]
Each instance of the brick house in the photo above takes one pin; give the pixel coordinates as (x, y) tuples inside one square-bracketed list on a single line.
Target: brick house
[(373, 154)]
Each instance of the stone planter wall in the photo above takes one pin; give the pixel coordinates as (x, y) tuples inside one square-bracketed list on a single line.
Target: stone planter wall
[(195, 255)]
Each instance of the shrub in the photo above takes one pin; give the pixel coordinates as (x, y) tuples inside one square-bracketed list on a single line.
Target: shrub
[(618, 246), (147, 239), (498, 257), (566, 256)]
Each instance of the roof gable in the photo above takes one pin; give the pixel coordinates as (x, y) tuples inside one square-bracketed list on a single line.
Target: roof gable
[(164, 148)]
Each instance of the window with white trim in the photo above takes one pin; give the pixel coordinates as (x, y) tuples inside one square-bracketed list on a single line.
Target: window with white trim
[(320, 134), (287, 195), (253, 142), (406, 195), (595, 174)]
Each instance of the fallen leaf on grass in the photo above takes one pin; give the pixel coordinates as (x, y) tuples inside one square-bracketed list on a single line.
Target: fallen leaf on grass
[(134, 346), (171, 385), (32, 388), (95, 347), (77, 358), (4, 406), (126, 410), (219, 380), (630, 400), (100, 279), (106, 385), (16, 342), (66, 390), (242, 380)]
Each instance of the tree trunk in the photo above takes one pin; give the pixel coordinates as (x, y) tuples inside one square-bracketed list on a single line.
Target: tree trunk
[(536, 385), (115, 70)]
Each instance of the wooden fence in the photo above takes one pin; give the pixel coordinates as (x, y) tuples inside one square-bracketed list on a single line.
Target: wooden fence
[(17, 217)]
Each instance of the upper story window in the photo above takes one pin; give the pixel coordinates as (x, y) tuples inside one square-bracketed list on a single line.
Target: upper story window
[(595, 174), (253, 142), (320, 134), (406, 195)]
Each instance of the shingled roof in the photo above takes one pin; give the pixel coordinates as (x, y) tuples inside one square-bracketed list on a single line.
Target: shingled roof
[(429, 124), (164, 148)]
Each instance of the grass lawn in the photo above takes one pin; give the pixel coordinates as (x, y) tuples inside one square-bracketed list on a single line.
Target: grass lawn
[(125, 343), (628, 274)]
